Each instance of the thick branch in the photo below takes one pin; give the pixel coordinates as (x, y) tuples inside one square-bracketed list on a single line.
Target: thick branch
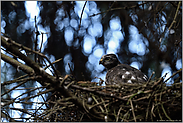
[(52, 80), (16, 64)]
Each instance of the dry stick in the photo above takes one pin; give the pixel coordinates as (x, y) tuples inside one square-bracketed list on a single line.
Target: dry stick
[(61, 83), (108, 10), (13, 101), (82, 15), (9, 52), (41, 41), (150, 78), (27, 98), (148, 109), (22, 110), (152, 16), (52, 110), (13, 81), (53, 63), (5, 40), (35, 46), (118, 114), (44, 92), (71, 69), (175, 16), (88, 111), (24, 81), (172, 2), (174, 74), (51, 79), (66, 87), (15, 63), (81, 117), (6, 115), (165, 113), (105, 104), (98, 103), (120, 8), (152, 110), (109, 95), (133, 110)]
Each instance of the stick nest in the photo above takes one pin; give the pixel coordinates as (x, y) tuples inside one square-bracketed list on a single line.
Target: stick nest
[(152, 101)]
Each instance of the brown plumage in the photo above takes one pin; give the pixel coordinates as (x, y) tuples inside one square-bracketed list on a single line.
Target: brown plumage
[(120, 73)]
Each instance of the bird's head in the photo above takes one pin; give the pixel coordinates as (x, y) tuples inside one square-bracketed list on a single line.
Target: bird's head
[(109, 61)]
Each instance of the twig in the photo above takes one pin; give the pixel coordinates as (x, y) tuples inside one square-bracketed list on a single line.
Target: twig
[(42, 33), (35, 46), (15, 63), (150, 78), (175, 15), (98, 103), (172, 2), (82, 15), (105, 104), (69, 84), (71, 69), (61, 83), (108, 10), (120, 8), (174, 74), (156, 83), (165, 113), (53, 63), (13, 81), (5, 40), (152, 110), (118, 114), (24, 81), (147, 111), (133, 110)]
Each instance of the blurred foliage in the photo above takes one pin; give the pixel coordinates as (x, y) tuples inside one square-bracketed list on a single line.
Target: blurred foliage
[(152, 19), (159, 25)]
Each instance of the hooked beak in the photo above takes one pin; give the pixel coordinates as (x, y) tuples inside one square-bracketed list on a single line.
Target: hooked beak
[(101, 61)]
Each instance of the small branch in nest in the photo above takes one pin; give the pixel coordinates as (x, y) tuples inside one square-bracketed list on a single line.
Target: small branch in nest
[(150, 78), (148, 109), (118, 114), (152, 110), (133, 110), (156, 83), (98, 103), (61, 83), (165, 113), (139, 92), (69, 84)]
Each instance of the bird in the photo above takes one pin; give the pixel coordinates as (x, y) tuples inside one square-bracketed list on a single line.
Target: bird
[(118, 73)]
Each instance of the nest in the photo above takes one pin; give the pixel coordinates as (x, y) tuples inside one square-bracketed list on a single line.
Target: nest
[(152, 101)]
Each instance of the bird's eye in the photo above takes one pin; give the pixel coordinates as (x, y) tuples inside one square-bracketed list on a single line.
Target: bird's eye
[(107, 59)]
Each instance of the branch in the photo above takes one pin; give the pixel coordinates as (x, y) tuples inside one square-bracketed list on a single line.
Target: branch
[(82, 15), (16, 64), (175, 16), (54, 83)]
